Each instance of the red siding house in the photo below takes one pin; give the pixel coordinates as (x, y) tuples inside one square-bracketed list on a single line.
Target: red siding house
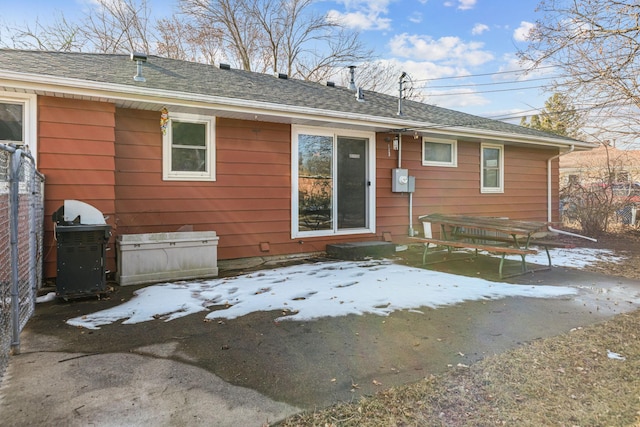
[(274, 166)]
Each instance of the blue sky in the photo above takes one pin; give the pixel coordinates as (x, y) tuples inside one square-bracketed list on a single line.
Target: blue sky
[(429, 39)]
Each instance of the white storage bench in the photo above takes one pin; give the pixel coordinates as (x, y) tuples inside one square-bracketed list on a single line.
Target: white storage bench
[(157, 257)]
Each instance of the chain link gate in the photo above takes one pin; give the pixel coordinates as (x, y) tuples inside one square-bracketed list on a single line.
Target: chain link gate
[(21, 231)]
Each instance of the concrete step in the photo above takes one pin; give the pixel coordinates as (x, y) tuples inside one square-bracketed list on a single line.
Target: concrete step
[(361, 250)]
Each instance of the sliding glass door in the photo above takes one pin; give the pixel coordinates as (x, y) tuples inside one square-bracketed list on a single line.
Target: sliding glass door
[(332, 183)]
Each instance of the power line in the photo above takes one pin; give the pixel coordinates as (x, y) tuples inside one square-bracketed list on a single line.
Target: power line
[(485, 91), (487, 84), (539, 111), (522, 70), (466, 76)]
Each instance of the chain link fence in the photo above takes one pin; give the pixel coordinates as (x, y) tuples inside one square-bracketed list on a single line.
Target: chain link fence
[(628, 215), (21, 230)]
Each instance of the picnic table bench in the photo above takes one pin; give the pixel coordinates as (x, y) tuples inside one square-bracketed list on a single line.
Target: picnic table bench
[(495, 235)]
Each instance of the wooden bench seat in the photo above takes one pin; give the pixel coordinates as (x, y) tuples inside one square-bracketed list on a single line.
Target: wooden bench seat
[(552, 244), (506, 239), (480, 246), (500, 249)]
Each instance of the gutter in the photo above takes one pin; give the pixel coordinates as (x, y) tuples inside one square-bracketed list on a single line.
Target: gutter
[(571, 149)]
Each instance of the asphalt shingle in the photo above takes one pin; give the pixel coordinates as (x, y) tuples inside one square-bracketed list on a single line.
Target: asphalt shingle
[(202, 79)]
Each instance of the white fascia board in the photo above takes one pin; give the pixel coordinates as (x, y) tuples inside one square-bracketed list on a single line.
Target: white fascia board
[(79, 87)]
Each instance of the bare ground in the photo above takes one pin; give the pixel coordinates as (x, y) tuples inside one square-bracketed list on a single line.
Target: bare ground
[(568, 380)]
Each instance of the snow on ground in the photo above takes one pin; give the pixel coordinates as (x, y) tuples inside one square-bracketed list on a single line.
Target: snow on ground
[(312, 291), (574, 257)]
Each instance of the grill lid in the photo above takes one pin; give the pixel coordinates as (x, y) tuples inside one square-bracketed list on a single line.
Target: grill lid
[(77, 212)]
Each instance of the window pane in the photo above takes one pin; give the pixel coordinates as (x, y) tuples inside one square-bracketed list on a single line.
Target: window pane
[(11, 122), (188, 151), (189, 134), (315, 182), (491, 167), (437, 152), (188, 159), (491, 157), (490, 178)]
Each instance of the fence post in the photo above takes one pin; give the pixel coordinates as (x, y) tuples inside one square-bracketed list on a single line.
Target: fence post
[(14, 199)]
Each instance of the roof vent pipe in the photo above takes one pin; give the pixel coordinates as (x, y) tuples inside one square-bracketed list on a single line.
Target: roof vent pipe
[(400, 92), (352, 78), (139, 58)]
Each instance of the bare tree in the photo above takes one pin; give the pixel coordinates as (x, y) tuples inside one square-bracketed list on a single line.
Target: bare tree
[(594, 44), (234, 21), (118, 26), (278, 36), (110, 26), (383, 77), (284, 36), (178, 39), (61, 35)]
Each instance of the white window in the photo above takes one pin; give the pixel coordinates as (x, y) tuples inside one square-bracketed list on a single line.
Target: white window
[(439, 152), (492, 170), (188, 148), (332, 175), (18, 124)]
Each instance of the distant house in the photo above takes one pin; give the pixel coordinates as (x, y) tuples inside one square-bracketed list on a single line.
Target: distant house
[(275, 166), (597, 166), (607, 168)]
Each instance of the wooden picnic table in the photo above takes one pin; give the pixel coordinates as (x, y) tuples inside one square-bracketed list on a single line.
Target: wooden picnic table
[(502, 225), (493, 234)]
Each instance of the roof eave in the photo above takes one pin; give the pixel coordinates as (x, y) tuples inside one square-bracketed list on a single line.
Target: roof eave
[(80, 87)]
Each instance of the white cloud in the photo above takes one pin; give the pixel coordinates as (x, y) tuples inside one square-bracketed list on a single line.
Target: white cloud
[(451, 50), (479, 29), (521, 33), (462, 4), (520, 70), (362, 14), (466, 4), (456, 98), (415, 17), (422, 70), (359, 20)]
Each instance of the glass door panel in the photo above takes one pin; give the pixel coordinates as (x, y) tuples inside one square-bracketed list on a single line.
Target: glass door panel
[(315, 182), (352, 183)]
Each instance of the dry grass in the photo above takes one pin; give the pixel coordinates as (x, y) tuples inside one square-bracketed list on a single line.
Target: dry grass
[(567, 380)]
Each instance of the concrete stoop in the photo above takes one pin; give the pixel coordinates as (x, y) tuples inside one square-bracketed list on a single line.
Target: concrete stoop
[(361, 250)]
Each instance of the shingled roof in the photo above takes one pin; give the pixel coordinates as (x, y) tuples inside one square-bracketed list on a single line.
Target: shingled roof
[(111, 71)]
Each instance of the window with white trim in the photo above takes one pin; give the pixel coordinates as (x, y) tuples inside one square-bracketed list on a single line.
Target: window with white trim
[(188, 148), (492, 168), (439, 152), (18, 120)]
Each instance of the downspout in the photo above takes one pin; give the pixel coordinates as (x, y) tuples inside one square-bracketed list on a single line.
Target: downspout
[(553, 230), (411, 231), (549, 216), (399, 150)]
